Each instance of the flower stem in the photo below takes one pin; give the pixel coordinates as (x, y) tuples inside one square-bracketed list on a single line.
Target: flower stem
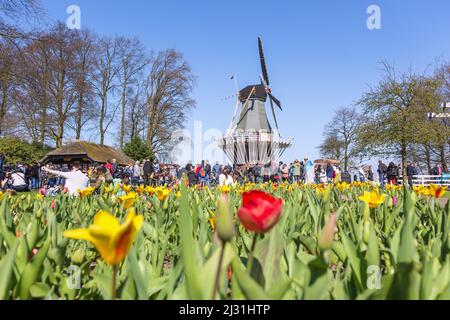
[(250, 257), (113, 286), (219, 267)]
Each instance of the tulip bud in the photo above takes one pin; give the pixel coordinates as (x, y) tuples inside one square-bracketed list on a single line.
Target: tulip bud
[(327, 235), (78, 256), (366, 232), (394, 200), (414, 197), (390, 203), (224, 219)]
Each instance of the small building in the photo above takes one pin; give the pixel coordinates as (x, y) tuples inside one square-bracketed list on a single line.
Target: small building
[(86, 153)]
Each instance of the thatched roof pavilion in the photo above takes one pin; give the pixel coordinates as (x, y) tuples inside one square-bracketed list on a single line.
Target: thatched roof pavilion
[(86, 152)]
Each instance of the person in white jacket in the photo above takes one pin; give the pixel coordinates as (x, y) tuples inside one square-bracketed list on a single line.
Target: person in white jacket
[(75, 180), (225, 179)]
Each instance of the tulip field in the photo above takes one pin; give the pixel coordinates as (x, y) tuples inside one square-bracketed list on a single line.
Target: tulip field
[(257, 241)]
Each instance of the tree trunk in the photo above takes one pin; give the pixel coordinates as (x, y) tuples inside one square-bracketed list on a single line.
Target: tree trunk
[(4, 99), (404, 155), (79, 123), (43, 123), (122, 123), (60, 116), (346, 158), (102, 120), (443, 157), (59, 138), (428, 158)]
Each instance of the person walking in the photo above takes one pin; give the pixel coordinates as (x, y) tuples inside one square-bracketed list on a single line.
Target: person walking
[(148, 172), (137, 173), (330, 173), (362, 175), (392, 174), (411, 172), (115, 169), (370, 174), (296, 168), (35, 174), (309, 171), (203, 176), (382, 169)]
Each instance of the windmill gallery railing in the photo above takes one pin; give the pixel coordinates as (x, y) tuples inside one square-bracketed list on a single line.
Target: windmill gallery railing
[(426, 180), (253, 148)]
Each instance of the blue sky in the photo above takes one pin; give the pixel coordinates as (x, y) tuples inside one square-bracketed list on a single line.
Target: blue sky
[(320, 54)]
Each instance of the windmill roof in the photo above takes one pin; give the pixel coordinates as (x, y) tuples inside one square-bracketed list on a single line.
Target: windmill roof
[(260, 93), (92, 151)]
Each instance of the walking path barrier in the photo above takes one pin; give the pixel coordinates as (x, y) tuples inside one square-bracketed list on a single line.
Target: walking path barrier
[(426, 180)]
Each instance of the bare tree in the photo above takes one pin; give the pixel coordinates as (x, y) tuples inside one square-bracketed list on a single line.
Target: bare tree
[(170, 85), (331, 147), (133, 60), (85, 52), (62, 94), (105, 83), (135, 123), (15, 15), (8, 60), (340, 136)]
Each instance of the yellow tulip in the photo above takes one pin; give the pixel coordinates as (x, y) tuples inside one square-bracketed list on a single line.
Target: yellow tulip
[(225, 189), (422, 190), (343, 186), (150, 190), (127, 200), (212, 220), (111, 239), (373, 199), (126, 188), (38, 197), (437, 191), (162, 193), (86, 192), (140, 189)]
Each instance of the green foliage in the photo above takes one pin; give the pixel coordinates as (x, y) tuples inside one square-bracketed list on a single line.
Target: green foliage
[(403, 253), (138, 150), (18, 151)]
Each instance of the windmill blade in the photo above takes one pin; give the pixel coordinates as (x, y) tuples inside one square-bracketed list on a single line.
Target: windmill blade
[(276, 101), (274, 115), (264, 83), (263, 62)]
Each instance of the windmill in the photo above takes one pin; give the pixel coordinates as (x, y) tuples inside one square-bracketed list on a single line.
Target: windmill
[(251, 139)]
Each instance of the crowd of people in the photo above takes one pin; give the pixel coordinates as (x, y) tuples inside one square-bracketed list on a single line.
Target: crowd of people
[(74, 177)]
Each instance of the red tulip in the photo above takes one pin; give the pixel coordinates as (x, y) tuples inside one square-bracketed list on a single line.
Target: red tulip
[(260, 211)]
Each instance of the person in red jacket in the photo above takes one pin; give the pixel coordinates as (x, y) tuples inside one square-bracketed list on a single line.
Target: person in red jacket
[(109, 167)]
